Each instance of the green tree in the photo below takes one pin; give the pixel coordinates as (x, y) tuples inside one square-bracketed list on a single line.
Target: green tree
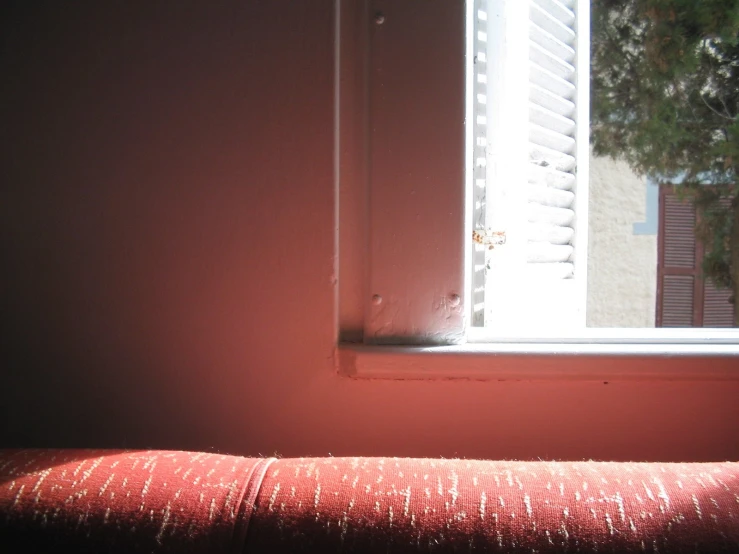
[(665, 98)]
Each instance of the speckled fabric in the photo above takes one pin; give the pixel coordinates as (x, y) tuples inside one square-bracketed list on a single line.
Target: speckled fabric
[(105, 501), (406, 505), (113, 501)]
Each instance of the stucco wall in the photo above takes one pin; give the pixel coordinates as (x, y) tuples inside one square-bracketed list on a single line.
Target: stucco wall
[(168, 223), (622, 266)]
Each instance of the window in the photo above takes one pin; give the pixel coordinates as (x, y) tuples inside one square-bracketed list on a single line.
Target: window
[(406, 167), (684, 297)]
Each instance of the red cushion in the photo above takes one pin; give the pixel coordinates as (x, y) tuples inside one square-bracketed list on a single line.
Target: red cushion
[(116, 501), (161, 501)]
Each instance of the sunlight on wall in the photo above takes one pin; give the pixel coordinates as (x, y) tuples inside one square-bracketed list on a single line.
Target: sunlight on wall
[(622, 266)]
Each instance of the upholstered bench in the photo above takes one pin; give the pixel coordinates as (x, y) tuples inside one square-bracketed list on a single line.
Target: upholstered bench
[(166, 501)]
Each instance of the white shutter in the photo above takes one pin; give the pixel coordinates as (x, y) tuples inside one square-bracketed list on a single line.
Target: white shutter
[(478, 99), (537, 152)]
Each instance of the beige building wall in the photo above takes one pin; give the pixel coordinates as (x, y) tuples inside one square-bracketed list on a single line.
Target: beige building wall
[(622, 266)]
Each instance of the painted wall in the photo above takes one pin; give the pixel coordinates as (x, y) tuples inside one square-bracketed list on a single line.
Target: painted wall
[(167, 214), (622, 265)]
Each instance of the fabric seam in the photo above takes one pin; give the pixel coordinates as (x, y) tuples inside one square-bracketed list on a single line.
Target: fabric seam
[(248, 505)]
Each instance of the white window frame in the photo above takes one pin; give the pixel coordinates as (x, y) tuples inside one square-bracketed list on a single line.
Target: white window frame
[(402, 297)]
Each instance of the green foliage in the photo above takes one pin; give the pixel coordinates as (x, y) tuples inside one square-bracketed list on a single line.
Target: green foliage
[(665, 98)]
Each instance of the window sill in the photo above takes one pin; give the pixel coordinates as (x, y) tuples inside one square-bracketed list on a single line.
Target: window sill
[(543, 361)]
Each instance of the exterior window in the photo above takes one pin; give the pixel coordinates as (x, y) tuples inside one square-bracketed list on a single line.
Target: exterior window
[(684, 297)]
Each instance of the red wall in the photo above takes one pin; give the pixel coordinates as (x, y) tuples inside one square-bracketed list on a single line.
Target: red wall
[(167, 213)]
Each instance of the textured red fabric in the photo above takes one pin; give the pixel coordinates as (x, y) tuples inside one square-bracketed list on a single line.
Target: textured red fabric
[(107, 501), (113, 501), (405, 505)]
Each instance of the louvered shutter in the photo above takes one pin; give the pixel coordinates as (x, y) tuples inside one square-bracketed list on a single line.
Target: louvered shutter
[(677, 286), (536, 139), (717, 310), (684, 297)]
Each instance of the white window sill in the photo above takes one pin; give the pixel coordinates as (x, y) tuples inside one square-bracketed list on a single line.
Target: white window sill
[(522, 361), (623, 337)]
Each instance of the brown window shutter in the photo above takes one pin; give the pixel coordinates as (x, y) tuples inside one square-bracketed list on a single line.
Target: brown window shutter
[(677, 301), (684, 297), (717, 310)]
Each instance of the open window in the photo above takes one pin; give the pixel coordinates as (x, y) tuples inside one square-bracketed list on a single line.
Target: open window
[(470, 119)]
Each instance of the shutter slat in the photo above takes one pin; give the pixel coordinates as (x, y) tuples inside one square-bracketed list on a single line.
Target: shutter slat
[(551, 43), (550, 62), (561, 10), (551, 120), (544, 78), (546, 157), (555, 234), (549, 138), (547, 196), (552, 102), (550, 23), (550, 215), (550, 177)]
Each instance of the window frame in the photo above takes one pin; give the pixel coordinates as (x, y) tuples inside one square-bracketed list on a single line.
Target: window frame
[(417, 329)]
